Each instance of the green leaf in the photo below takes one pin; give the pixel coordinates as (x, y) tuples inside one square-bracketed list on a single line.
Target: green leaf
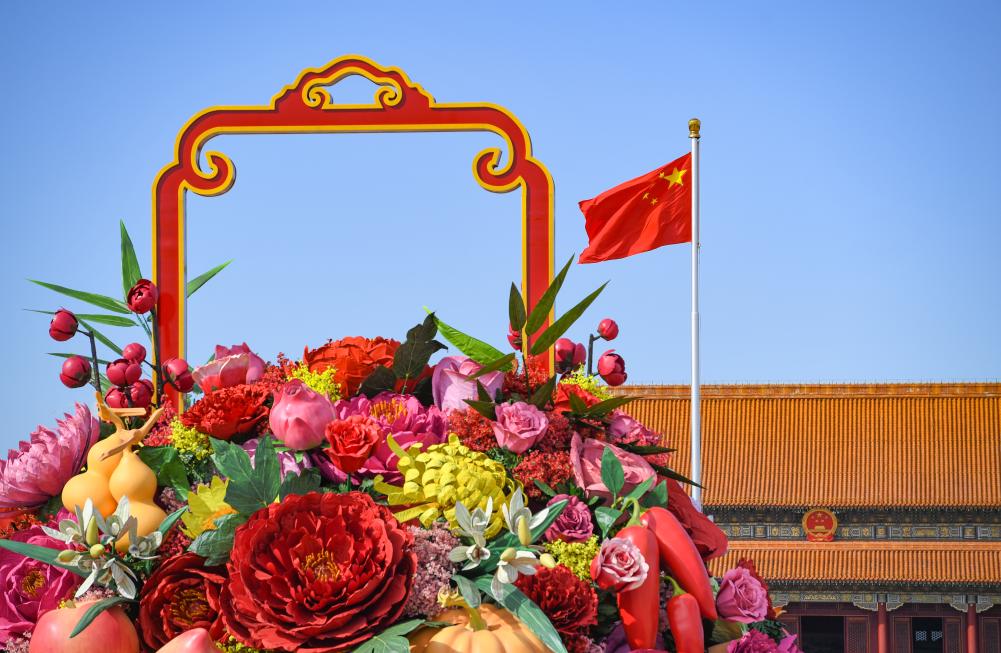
[(65, 355), (482, 394), (602, 408), (543, 394), (560, 326), (516, 309), (555, 511), (478, 350), (391, 640), (545, 305), (102, 338), (656, 497), (40, 553), (544, 487), (468, 589), (527, 611), (670, 473), (645, 449), (486, 408), (382, 379), (202, 279), (606, 518), (413, 355), (502, 363), (215, 545), (100, 318), (304, 483), (577, 404), (130, 264), (96, 609), (641, 489), (171, 519), (611, 472), (250, 488), (103, 301), (168, 467)]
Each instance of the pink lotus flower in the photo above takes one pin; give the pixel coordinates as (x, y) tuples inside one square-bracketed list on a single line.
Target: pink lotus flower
[(741, 597), (519, 426), (619, 566), (232, 366), (585, 456), (40, 468), (450, 384), (300, 415)]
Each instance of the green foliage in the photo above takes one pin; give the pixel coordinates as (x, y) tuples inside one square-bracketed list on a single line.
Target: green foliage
[(304, 483), (215, 545), (166, 463), (40, 553), (96, 609), (101, 301), (130, 264), (612, 474), (251, 487), (203, 278), (414, 354), (478, 350), (391, 640), (556, 330), (545, 304), (606, 518), (526, 610), (516, 309)]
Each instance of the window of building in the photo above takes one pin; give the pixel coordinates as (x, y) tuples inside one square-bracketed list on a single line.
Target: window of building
[(823, 634), (926, 635)]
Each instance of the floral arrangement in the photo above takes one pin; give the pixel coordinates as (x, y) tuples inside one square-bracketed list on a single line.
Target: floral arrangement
[(360, 498)]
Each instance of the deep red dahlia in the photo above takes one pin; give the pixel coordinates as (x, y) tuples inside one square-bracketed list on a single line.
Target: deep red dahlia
[(180, 595), (317, 573), (569, 602), (238, 411), (550, 468), (474, 430)]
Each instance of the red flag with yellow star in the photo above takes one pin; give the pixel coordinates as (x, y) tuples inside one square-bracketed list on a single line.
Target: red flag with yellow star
[(641, 214)]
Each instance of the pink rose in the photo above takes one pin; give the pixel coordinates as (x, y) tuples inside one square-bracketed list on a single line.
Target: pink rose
[(619, 566), (300, 416), (623, 427), (585, 456), (236, 365), (789, 645), (574, 523), (450, 384), (741, 597), (754, 641), (519, 426)]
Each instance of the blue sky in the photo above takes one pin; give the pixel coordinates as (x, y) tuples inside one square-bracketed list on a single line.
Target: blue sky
[(851, 203)]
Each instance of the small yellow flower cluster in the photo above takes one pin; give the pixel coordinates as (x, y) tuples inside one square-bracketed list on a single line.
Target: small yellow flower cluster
[(322, 382), (233, 646), (189, 441), (592, 384), (575, 556)]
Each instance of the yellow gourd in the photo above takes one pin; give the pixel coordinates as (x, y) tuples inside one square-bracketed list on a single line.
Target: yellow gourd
[(135, 480), (93, 483), (492, 630)]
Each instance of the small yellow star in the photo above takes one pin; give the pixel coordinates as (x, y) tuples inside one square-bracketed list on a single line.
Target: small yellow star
[(675, 178), (653, 201), (646, 195)]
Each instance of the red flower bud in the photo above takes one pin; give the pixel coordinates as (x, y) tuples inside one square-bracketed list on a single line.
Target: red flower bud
[(142, 297), (569, 355), (177, 374), (122, 372), (608, 329), (75, 372), (134, 352), (115, 398), (63, 325), (514, 337), (612, 368), (141, 393)]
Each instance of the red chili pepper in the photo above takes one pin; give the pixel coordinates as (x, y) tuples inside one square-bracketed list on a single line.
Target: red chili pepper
[(639, 607), (686, 624), (678, 553)]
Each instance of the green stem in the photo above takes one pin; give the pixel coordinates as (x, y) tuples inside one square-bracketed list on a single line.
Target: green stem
[(476, 621), (96, 378), (675, 588), (157, 373), (637, 510)]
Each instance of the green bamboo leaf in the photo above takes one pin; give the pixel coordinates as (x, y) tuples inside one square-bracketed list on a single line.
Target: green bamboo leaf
[(130, 264), (96, 609), (527, 611), (516, 309), (171, 519), (602, 408), (40, 553), (101, 337), (670, 473), (100, 318), (543, 393), (478, 350), (202, 279), (65, 355), (542, 309), (560, 326), (102, 301), (502, 363)]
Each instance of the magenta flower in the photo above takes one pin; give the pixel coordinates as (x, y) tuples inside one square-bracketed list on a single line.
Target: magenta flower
[(40, 468), (300, 415), (754, 641), (574, 524), (519, 426), (741, 597), (451, 386), (234, 365), (585, 457)]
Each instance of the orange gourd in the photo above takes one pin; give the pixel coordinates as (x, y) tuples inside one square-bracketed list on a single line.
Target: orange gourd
[(498, 631)]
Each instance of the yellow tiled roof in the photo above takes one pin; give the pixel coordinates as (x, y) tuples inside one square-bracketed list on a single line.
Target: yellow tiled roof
[(837, 446), (868, 562)]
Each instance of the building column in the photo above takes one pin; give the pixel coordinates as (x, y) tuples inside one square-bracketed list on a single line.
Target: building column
[(882, 630), (971, 628)]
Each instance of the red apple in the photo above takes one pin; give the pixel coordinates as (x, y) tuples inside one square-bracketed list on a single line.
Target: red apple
[(111, 632), (196, 640)]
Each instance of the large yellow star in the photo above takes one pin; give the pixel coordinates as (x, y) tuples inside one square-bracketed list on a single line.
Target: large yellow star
[(675, 178)]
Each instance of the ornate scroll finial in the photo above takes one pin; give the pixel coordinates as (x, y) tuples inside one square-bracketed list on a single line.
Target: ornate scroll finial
[(694, 125)]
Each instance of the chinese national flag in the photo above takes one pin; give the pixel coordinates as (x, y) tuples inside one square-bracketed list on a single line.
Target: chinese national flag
[(639, 215)]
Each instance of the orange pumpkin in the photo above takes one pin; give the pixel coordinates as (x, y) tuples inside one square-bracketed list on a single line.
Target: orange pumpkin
[(499, 631)]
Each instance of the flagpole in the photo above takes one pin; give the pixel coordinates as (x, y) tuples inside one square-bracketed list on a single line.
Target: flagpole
[(694, 125)]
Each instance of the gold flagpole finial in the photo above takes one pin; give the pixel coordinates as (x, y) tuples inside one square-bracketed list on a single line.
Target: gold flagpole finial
[(694, 125)]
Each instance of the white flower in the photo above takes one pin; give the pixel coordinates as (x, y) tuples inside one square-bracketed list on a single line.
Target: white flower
[(516, 511)]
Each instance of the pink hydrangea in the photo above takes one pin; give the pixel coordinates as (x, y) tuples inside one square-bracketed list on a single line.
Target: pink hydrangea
[(432, 547)]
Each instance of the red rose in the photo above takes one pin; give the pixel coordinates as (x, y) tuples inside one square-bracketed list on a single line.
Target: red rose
[(569, 602), (561, 402), (180, 595), (352, 441), (318, 573), (229, 412), (142, 297), (353, 358)]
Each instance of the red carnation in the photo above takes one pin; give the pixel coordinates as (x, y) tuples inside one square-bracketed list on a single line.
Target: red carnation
[(318, 573), (351, 441), (353, 359), (180, 595), (550, 468), (229, 412), (474, 430), (569, 602)]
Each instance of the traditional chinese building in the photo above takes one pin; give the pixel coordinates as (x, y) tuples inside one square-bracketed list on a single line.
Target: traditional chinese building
[(874, 511)]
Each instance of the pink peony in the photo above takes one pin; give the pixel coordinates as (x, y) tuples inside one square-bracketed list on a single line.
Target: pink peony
[(236, 365), (754, 641), (300, 415), (39, 469), (450, 384), (519, 426), (574, 523), (741, 597), (30, 588), (585, 456), (619, 566)]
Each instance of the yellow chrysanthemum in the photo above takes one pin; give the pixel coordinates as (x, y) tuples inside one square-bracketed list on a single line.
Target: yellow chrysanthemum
[(436, 479), (205, 505), (575, 556), (189, 441), (322, 382), (590, 383)]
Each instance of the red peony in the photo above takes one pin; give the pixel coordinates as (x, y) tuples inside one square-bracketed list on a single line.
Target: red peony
[(353, 358), (352, 440), (474, 430), (569, 602), (180, 595), (229, 412), (561, 401), (550, 468), (317, 573)]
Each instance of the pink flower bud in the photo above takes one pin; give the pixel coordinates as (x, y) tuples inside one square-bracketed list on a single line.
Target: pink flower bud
[(134, 352), (569, 355), (142, 297), (177, 374), (141, 393), (75, 372), (612, 368), (63, 325), (514, 337), (608, 329), (300, 416), (122, 372)]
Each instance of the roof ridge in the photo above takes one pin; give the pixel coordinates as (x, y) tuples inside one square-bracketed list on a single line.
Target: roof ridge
[(815, 390)]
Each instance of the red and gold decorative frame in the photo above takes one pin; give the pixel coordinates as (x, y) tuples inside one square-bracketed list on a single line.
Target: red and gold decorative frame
[(820, 525), (306, 106)]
